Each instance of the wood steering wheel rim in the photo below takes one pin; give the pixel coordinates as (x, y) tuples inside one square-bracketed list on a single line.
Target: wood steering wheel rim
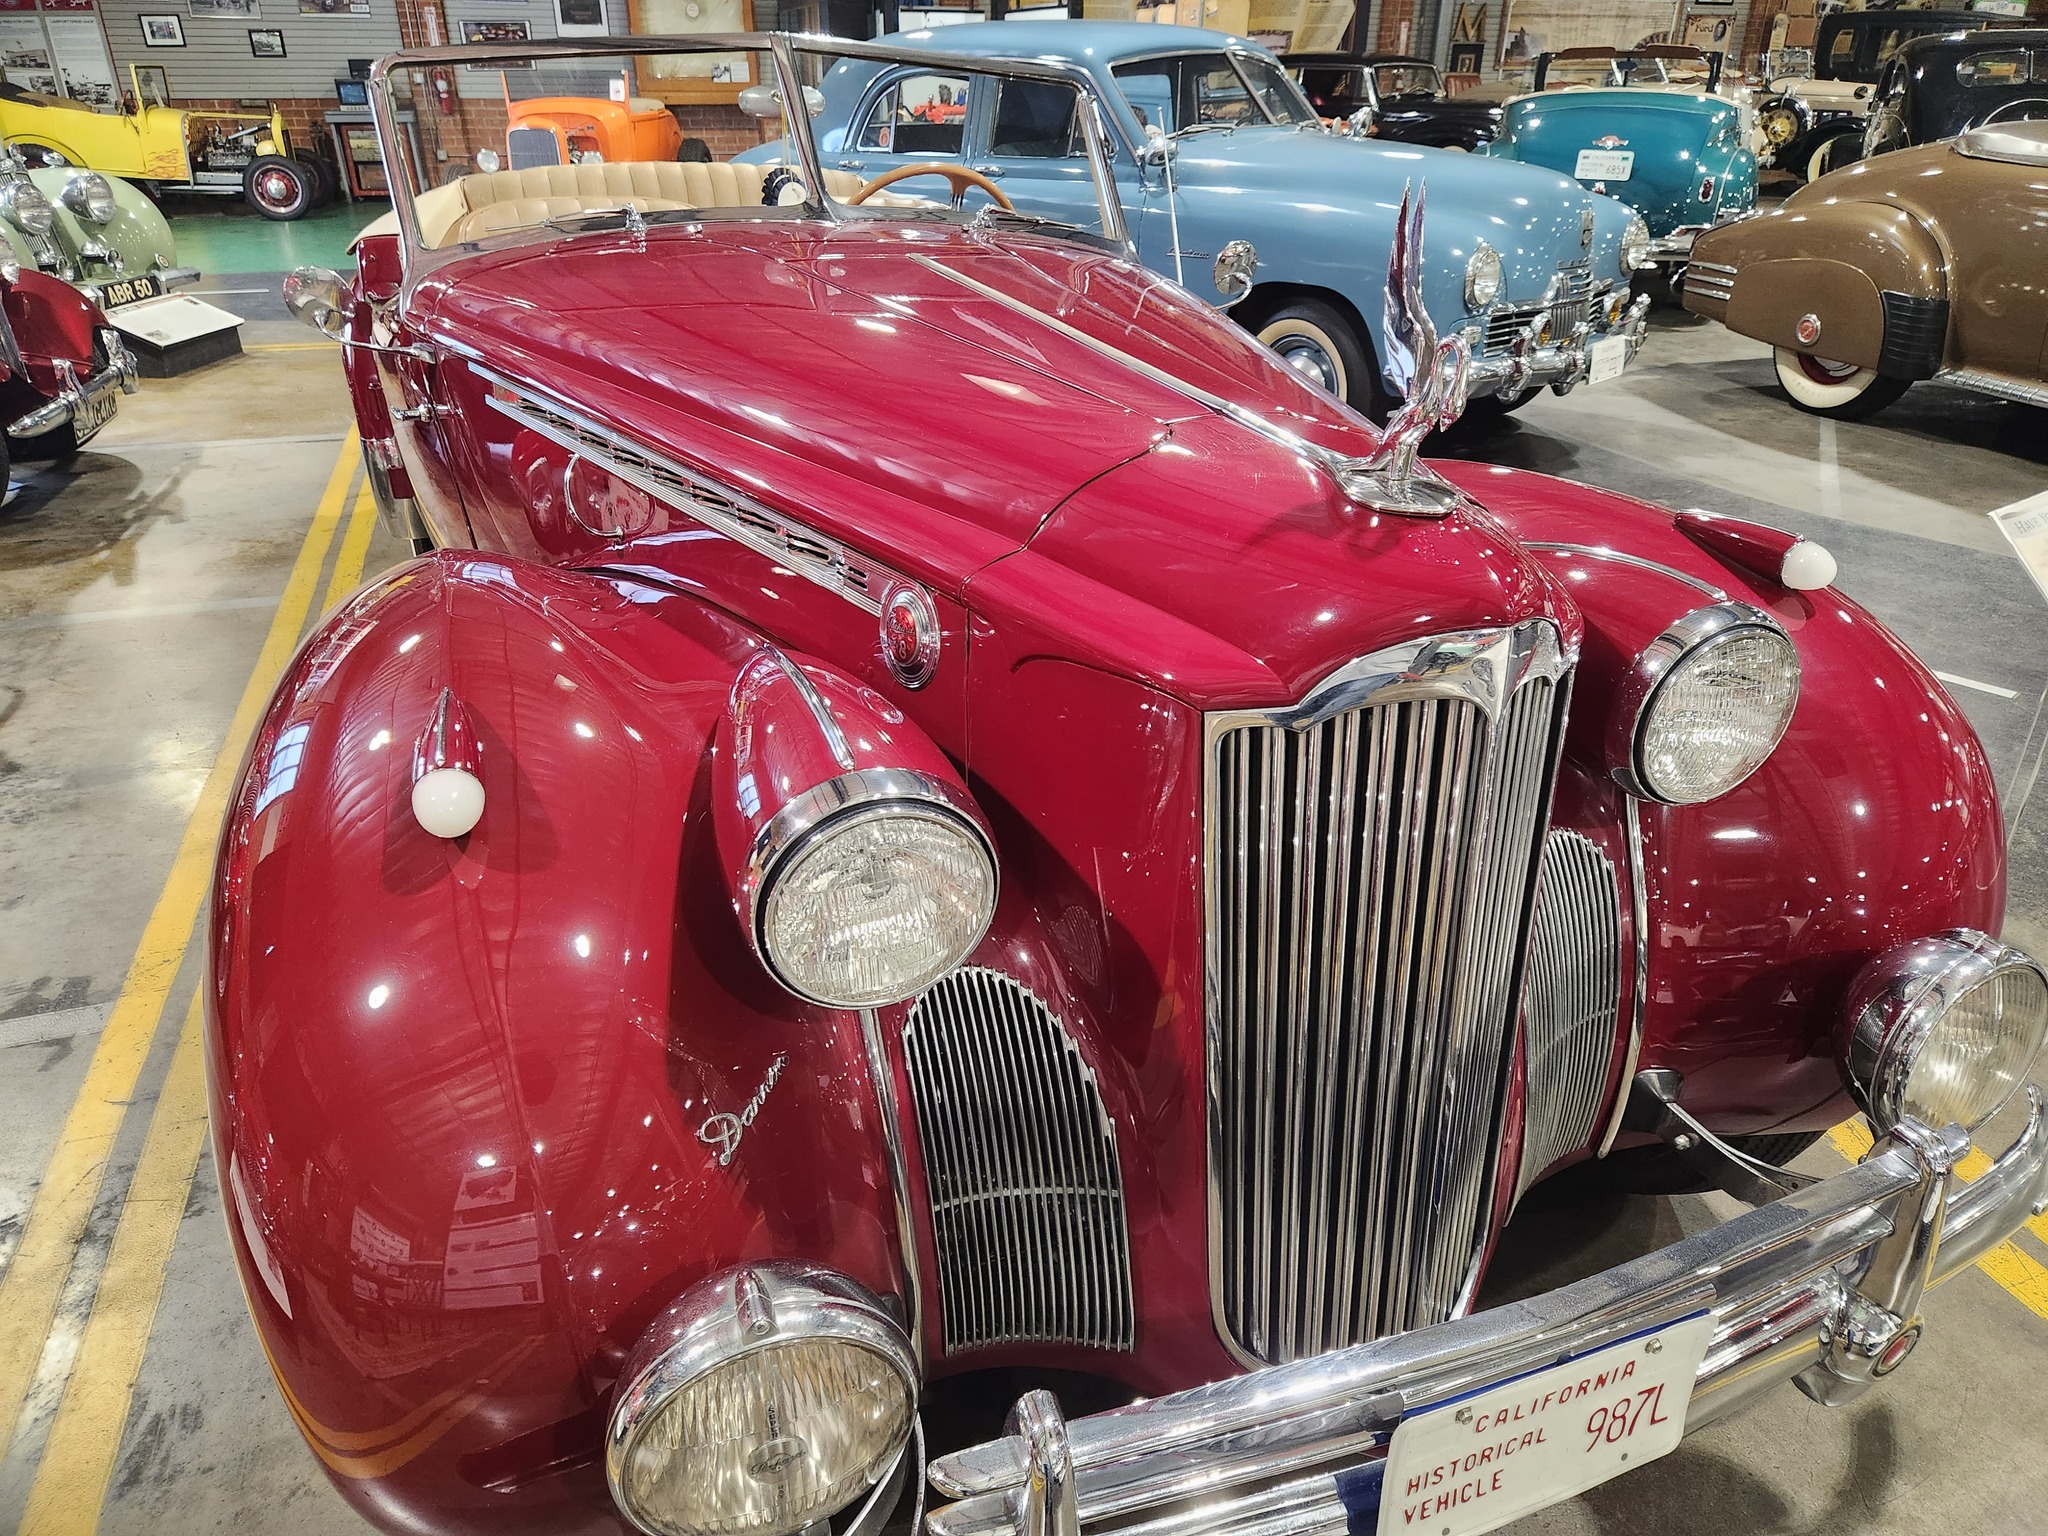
[(959, 176)]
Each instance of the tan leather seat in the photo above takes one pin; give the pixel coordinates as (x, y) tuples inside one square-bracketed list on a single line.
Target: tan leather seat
[(490, 201)]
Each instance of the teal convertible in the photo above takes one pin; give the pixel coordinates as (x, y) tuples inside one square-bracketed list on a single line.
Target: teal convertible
[(1230, 185), (1648, 125)]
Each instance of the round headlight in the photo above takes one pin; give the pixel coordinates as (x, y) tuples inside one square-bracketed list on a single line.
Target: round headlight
[(23, 205), (1635, 245), (871, 887), (1482, 276), (1704, 705), (90, 196), (1942, 1030), (765, 1400)]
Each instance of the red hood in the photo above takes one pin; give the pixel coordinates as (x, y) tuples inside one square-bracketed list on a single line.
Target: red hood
[(797, 359)]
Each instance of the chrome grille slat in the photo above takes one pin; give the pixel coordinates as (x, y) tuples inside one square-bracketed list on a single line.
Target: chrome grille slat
[(1571, 1006), (1021, 1166), (1372, 863)]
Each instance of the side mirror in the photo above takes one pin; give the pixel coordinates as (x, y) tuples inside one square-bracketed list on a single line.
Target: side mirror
[(1157, 149), (765, 101), (319, 297), (1233, 271)]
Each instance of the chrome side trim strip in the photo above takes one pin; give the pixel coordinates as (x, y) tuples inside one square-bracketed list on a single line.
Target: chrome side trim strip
[(1622, 557), (1639, 912), (2025, 392), (799, 549)]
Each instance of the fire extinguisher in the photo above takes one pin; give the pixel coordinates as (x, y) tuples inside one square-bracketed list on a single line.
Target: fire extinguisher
[(444, 89)]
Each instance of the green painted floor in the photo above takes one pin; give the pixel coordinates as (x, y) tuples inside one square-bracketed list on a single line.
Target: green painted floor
[(225, 238)]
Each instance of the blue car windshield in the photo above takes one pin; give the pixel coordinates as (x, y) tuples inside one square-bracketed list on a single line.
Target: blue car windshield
[(1184, 92)]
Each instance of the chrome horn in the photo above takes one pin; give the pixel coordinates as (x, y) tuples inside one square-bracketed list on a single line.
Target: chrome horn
[(1429, 374)]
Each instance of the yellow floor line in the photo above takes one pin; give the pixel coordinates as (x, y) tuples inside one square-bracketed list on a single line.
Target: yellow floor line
[(2018, 1271), (85, 1438), (33, 1281), (355, 549)]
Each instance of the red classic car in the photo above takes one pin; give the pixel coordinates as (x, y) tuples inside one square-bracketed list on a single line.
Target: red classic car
[(63, 369), (804, 893)]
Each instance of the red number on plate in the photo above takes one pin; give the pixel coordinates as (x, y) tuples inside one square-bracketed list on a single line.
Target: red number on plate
[(1615, 1422)]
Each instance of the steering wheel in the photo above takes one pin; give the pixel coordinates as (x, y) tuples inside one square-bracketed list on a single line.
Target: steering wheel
[(959, 176)]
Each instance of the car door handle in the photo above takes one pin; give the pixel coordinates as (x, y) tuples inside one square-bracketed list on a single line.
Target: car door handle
[(992, 172), (430, 411), (853, 165)]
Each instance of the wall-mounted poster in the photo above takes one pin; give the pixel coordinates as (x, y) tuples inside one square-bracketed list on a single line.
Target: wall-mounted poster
[(334, 7), (580, 18), (692, 76), (1529, 28), (239, 9), (497, 32), (162, 32)]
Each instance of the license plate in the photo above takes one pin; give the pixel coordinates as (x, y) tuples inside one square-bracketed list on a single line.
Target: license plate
[(128, 290), (94, 413), (1606, 358), (1476, 1463), (1605, 164)]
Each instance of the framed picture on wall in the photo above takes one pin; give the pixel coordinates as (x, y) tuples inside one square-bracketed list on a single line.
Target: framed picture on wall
[(692, 77), (1466, 58), (230, 9), (266, 43), (580, 18), (153, 85), (334, 7), (162, 31)]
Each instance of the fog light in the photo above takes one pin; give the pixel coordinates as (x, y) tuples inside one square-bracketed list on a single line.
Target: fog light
[(1943, 1030), (765, 1400)]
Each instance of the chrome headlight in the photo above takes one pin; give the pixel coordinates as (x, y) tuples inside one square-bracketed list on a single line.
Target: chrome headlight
[(1942, 1030), (868, 888), (1482, 276), (10, 269), (23, 205), (90, 196), (1704, 705), (766, 1399), (1635, 245)]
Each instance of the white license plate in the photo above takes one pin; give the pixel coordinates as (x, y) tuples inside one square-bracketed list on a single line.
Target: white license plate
[(93, 414), (1605, 164), (1606, 358), (1474, 1464)]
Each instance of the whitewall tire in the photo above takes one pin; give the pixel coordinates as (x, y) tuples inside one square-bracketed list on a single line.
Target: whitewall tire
[(1834, 389), (1316, 341)]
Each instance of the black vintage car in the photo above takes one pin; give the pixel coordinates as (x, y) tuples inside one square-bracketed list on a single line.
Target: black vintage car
[(1393, 96), (1935, 87), (1812, 123)]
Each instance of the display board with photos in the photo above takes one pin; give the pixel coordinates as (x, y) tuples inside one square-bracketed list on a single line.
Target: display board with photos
[(1531, 28), (694, 77)]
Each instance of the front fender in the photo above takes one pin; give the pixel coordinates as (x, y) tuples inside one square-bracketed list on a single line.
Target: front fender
[(137, 233), (51, 320), (1835, 262), (1876, 819), (460, 1089)]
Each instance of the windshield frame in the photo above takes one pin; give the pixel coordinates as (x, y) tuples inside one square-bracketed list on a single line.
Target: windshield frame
[(785, 50)]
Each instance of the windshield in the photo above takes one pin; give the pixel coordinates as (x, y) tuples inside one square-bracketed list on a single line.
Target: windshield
[(1185, 92), (592, 140), (1407, 80), (1627, 69)]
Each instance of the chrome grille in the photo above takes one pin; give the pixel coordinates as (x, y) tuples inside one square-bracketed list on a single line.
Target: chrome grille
[(1710, 279), (1020, 1158), (1371, 861), (1569, 301), (1571, 1001), (528, 147)]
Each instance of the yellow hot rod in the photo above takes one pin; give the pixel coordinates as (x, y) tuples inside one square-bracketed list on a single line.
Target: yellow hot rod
[(172, 149)]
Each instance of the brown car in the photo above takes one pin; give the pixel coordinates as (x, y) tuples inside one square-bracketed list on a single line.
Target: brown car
[(1925, 264)]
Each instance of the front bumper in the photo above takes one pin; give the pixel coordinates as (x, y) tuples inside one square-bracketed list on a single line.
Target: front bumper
[(1822, 1287), (76, 399), (167, 279), (1675, 248), (1534, 357)]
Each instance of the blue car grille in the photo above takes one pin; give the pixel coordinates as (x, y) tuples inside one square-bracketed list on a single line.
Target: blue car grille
[(1576, 304)]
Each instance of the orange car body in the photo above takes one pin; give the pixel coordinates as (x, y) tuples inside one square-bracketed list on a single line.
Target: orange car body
[(635, 129)]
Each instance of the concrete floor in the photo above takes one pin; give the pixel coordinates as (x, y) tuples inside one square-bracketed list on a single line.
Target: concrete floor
[(137, 586)]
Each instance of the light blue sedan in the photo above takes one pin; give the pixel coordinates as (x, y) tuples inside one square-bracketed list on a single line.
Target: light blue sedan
[(1213, 143)]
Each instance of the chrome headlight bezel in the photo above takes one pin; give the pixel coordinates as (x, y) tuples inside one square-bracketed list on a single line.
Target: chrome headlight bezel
[(1900, 1000), (1482, 276), (721, 1322), (1684, 644), (90, 196), (1635, 244), (846, 804), (23, 205)]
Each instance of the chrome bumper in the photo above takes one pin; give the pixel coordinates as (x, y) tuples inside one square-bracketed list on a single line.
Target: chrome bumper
[(1529, 363), (74, 395), (1822, 1287)]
